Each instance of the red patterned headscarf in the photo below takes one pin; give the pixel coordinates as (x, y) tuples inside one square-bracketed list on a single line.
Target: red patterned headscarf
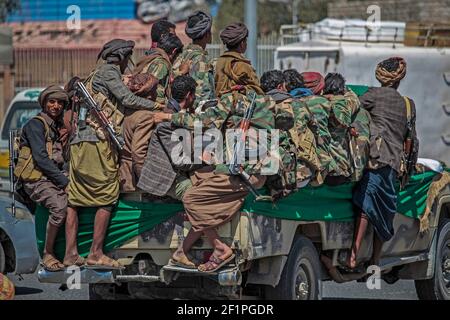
[(314, 81)]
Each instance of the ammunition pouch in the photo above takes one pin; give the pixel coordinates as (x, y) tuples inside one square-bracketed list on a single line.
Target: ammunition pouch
[(112, 112), (26, 169)]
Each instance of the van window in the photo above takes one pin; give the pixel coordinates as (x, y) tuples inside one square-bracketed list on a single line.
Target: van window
[(19, 113)]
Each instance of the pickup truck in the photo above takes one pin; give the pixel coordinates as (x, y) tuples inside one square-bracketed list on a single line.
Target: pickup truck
[(278, 247)]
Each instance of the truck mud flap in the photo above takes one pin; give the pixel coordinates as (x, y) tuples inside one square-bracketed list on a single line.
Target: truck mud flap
[(79, 275)]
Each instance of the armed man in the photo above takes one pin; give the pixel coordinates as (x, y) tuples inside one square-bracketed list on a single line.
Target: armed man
[(158, 63), (40, 166), (194, 55), (160, 28), (94, 163), (344, 107), (320, 109), (299, 140), (216, 195), (393, 153), (232, 68)]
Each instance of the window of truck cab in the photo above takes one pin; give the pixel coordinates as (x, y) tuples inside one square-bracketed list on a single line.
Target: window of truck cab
[(19, 113)]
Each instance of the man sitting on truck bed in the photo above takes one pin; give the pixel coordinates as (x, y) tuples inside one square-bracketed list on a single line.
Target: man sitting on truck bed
[(161, 175), (392, 123), (299, 139), (137, 129), (216, 196), (320, 108), (40, 166), (344, 105)]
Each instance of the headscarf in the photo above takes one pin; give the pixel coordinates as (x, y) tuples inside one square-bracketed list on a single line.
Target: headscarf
[(300, 92), (116, 50), (233, 34), (314, 81), (201, 27), (143, 85), (53, 92), (388, 78), (7, 289)]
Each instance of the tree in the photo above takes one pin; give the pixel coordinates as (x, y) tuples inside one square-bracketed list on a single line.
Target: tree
[(7, 7), (271, 14)]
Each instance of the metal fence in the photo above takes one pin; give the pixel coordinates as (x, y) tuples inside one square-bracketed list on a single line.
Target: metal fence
[(39, 67)]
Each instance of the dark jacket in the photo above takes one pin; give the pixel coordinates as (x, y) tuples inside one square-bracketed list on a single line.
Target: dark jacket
[(388, 126), (33, 136)]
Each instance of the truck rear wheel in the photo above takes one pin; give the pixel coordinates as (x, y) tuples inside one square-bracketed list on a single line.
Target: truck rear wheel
[(438, 287), (300, 279)]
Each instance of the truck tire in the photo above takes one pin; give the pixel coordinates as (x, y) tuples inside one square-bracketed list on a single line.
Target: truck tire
[(2, 259), (92, 294), (300, 279), (438, 287)]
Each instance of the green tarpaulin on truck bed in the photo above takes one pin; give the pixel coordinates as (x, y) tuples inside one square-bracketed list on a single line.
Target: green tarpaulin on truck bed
[(320, 203)]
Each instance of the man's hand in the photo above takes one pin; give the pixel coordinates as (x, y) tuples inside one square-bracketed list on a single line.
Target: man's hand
[(126, 78), (185, 67), (159, 117)]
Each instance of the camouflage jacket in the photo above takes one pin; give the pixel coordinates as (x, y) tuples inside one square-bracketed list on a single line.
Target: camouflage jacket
[(157, 63), (320, 108), (360, 142), (201, 69), (227, 114), (343, 109)]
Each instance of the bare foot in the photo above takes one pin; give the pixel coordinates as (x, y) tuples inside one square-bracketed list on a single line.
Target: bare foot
[(352, 260), (221, 250)]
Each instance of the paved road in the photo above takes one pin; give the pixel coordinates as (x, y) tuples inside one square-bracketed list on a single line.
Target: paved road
[(31, 289)]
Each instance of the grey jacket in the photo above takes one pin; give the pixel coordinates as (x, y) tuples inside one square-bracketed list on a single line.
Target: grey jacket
[(108, 80), (388, 126)]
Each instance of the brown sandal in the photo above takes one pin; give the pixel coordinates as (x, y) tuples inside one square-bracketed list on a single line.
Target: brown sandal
[(104, 262), (50, 263), (182, 262), (79, 262), (214, 264)]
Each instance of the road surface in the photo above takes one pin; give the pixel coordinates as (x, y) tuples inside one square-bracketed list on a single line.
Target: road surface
[(31, 289)]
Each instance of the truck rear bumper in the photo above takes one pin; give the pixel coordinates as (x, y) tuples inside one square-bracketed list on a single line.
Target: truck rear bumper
[(225, 277)]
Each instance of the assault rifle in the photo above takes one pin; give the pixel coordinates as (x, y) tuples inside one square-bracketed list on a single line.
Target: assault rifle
[(12, 179), (235, 167), (408, 163), (98, 113)]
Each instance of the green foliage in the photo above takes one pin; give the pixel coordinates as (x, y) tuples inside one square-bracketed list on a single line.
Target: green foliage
[(7, 7)]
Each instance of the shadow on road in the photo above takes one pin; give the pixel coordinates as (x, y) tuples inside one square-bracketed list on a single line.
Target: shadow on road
[(20, 291)]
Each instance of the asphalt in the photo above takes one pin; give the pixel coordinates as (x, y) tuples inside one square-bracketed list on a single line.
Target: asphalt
[(31, 289)]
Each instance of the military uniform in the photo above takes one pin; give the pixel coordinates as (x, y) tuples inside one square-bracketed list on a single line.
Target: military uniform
[(201, 70), (215, 195), (157, 63), (343, 109), (320, 108)]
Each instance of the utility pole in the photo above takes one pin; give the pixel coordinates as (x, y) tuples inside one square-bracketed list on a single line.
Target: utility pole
[(295, 4), (251, 20)]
